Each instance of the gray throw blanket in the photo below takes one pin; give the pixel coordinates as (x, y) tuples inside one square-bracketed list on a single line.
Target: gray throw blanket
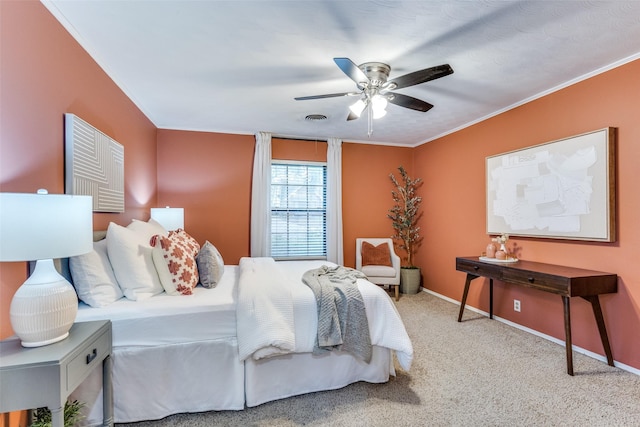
[(342, 321)]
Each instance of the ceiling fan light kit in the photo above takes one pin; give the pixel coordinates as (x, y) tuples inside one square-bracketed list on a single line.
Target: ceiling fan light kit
[(358, 107), (375, 88), (378, 106)]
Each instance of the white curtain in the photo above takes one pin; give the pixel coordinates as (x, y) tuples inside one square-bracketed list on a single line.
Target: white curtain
[(260, 197), (334, 201)]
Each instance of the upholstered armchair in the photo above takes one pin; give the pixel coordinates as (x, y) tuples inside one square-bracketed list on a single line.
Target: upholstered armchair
[(376, 258)]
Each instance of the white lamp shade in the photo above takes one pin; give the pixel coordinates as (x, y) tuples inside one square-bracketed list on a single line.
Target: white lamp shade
[(44, 226), (169, 218)]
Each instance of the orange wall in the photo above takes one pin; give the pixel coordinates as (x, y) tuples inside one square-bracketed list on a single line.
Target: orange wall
[(209, 174), (454, 205), (366, 191), (45, 74)]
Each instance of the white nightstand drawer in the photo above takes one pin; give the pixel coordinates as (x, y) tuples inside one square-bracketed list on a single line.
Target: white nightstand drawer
[(85, 361)]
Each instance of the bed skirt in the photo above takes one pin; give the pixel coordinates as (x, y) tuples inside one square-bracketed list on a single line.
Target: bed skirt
[(289, 375), (150, 383)]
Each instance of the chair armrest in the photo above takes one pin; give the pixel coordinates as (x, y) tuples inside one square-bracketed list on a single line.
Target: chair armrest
[(395, 261)]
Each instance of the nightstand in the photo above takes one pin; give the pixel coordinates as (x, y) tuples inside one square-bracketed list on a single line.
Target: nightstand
[(45, 376)]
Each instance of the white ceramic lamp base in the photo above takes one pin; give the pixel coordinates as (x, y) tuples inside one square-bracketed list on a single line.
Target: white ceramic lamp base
[(44, 308)]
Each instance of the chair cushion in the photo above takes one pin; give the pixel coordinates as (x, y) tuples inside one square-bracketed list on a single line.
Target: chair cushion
[(376, 255), (378, 271)]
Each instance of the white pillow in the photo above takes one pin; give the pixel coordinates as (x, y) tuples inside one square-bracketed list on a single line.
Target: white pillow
[(151, 227), (93, 277), (130, 254)]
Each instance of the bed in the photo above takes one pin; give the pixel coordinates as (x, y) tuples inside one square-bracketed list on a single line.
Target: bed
[(177, 354)]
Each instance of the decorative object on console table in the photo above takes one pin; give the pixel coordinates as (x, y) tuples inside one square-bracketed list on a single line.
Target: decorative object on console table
[(42, 227), (502, 253), (491, 250), (169, 218), (404, 216)]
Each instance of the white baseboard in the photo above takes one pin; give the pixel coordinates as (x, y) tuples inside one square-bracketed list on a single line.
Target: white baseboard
[(539, 334)]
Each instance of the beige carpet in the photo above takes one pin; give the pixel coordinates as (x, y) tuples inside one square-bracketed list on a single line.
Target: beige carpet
[(476, 373)]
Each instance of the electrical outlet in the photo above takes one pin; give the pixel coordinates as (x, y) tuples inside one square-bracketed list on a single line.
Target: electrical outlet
[(516, 305)]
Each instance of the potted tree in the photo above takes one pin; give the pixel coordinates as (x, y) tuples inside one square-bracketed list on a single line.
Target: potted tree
[(404, 216)]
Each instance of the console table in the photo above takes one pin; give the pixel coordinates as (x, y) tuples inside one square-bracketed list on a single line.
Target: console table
[(45, 376), (564, 281)]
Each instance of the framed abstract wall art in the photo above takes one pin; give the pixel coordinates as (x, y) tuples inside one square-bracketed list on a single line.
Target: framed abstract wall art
[(563, 189), (94, 165)]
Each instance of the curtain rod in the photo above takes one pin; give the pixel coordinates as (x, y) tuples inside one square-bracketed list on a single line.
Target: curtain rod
[(293, 138)]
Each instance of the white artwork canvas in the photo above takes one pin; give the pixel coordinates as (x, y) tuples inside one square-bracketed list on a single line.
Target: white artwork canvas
[(94, 165), (561, 189)]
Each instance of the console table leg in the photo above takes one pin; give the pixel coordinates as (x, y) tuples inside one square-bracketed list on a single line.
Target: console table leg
[(490, 298), (567, 333), (470, 277), (597, 313)]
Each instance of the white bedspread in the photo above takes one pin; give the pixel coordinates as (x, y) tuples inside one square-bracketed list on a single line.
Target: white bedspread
[(277, 313), (208, 314), (264, 311)]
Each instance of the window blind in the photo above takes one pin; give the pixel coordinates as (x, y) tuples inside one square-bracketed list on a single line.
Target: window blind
[(298, 210)]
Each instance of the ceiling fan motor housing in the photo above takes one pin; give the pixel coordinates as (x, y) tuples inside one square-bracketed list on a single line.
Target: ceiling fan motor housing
[(377, 72)]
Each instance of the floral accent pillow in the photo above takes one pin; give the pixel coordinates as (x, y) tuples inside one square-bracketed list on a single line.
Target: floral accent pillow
[(376, 255), (174, 258)]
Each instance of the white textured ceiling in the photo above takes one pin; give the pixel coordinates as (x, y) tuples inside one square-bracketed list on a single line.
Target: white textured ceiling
[(235, 66)]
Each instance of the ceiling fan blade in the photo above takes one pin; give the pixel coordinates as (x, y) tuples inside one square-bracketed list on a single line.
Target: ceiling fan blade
[(421, 76), (350, 69), (409, 102), (329, 95)]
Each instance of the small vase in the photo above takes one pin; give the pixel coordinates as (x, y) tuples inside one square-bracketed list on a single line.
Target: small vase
[(491, 250), (501, 255)]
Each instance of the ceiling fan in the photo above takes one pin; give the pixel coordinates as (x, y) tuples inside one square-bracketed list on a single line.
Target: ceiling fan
[(375, 90)]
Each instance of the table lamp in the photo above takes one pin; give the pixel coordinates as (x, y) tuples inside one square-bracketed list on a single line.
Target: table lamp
[(40, 227), (169, 218)]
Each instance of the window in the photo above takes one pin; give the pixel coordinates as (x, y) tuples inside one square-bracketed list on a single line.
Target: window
[(298, 210)]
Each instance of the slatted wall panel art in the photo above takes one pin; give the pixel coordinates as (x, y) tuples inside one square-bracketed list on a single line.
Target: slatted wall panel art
[(94, 165)]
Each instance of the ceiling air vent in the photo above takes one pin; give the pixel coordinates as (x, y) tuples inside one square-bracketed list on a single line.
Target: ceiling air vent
[(315, 117)]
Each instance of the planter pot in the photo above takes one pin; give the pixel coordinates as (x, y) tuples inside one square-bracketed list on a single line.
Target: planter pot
[(409, 280)]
